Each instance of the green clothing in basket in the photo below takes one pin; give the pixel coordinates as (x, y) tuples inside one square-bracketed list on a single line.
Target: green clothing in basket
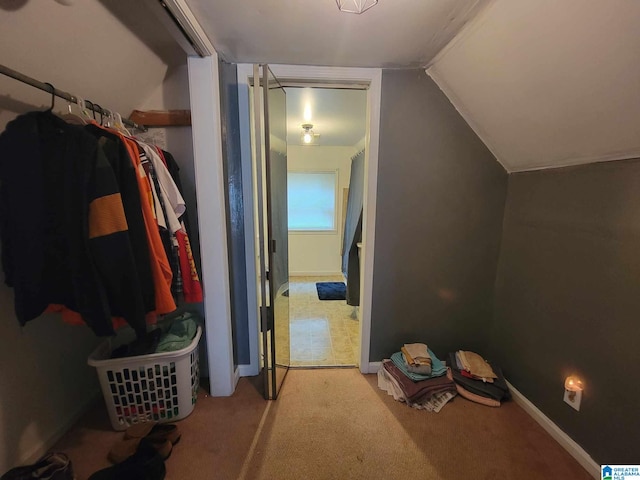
[(180, 334)]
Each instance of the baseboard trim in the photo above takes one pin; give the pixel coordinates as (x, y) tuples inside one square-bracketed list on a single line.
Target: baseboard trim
[(575, 450), (371, 367), (236, 376), (314, 274), (249, 370), (42, 448)]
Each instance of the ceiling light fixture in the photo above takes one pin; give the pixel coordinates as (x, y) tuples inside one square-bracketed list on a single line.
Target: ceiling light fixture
[(307, 136), (355, 6)]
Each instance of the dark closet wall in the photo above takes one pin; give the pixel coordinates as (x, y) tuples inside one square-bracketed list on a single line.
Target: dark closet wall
[(568, 300), (440, 205)]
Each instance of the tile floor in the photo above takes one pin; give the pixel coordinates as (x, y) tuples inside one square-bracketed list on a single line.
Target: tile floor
[(322, 332)]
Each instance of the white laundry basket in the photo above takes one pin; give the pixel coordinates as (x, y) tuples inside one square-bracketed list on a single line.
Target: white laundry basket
[(160, 387)]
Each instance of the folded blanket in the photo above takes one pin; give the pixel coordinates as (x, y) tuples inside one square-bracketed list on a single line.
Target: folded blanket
[(434, 403), (497, 390), (417, 391), (489, 402)]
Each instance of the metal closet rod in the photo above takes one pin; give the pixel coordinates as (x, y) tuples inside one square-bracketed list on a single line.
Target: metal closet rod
[(59, 93)]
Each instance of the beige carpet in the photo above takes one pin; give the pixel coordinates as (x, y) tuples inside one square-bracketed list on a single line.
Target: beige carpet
[(336, 424)]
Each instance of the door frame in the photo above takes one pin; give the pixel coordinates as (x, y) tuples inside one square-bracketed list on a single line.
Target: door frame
[(325, 77)]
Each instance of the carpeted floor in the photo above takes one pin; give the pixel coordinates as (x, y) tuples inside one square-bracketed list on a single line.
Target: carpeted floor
[(336, 424)]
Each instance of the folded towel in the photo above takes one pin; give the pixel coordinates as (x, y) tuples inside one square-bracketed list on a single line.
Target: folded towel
[(423, 365), (437, 368), (419, 369), (418, 352), (498, 390), (476, 365)]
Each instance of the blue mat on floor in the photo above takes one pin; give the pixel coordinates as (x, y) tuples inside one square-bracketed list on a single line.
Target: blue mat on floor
[(331, 290)]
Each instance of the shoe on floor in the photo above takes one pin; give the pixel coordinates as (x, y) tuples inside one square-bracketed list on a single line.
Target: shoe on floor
[(154, 431), (52, 466), (145, 464), (123, 449)]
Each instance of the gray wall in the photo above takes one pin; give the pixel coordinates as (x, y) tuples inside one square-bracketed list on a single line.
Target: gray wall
[(440, 205), (232, 166), (568, 299)]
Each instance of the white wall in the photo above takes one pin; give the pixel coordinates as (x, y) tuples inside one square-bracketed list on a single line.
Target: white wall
[(45, 382), (173, 94), (319, 253)]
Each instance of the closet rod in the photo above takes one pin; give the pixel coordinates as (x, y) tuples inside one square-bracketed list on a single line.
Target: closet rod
[(59, 93)]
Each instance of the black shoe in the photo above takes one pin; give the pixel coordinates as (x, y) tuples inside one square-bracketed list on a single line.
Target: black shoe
[(145, 464), (53, 466)]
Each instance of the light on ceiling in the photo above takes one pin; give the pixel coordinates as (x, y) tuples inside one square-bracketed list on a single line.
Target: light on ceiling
[(355, 6), (307, 136)]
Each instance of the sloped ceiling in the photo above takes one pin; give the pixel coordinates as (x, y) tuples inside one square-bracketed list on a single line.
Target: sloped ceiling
[(548, 83), (85, 49), (394, 33)]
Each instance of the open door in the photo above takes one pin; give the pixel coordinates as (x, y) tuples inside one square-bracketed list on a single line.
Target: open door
[(270, 122)]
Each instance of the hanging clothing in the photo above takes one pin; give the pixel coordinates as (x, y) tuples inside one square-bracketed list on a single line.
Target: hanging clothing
[(166, 211), (125, 172), (160, 267), (353, 230), (191, 287), (65, 237)]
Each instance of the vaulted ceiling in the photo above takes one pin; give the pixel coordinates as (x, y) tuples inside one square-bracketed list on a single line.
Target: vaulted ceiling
[(544, 83), (549, 83)]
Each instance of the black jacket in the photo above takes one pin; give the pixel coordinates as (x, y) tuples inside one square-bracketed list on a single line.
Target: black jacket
[(63, 229)]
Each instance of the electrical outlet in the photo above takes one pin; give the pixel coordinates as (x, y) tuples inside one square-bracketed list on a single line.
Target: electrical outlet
[(573, 399)]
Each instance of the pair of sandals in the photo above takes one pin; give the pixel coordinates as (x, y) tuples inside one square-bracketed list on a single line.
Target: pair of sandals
[(160, 436)]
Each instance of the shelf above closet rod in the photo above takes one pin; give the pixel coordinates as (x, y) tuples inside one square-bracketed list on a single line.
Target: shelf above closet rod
[(162, 118), (59, 93)]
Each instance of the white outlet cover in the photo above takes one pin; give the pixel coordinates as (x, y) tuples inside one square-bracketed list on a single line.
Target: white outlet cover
[(575, 402)]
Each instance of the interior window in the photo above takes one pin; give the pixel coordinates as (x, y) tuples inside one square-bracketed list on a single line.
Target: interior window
[(312, 201)]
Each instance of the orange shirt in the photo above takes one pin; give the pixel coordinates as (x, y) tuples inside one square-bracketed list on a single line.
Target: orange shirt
[(160, 267)]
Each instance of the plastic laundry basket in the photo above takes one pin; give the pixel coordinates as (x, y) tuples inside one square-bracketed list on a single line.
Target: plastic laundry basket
[(159, 387)]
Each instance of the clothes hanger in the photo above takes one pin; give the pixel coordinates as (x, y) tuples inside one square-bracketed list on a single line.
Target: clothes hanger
[(118, 124), (71, 117), (100, 111), (83, 108), (93, 110), (53, 97), (109, 117)]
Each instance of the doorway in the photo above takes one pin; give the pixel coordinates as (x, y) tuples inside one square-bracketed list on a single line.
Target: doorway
[(326, 129), (358, 78)]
